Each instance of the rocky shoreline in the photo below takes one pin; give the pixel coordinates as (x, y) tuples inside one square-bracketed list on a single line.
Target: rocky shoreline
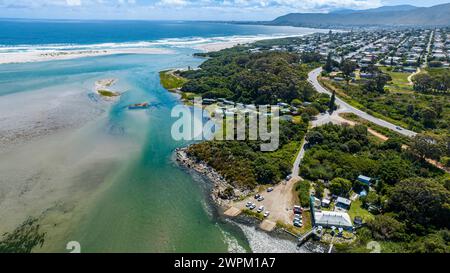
[(222, 193)]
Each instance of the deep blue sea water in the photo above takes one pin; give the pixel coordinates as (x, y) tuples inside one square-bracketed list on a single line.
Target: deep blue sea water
[(147, 204), (39, 32)]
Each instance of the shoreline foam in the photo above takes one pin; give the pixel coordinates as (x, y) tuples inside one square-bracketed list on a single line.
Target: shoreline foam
[(54, 55)]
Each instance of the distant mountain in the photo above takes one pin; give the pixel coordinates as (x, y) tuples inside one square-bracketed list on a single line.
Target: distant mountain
[(380, 9), (402, 15)]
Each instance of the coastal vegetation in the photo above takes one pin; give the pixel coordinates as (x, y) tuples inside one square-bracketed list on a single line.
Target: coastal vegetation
[(408, 200), (303, 190), (346, 152), (260, 78), (170, 81), (107, 93), (420, 108), (244, 165), (433, 81)]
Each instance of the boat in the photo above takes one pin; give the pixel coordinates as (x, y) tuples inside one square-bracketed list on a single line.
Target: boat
[(136, 106)]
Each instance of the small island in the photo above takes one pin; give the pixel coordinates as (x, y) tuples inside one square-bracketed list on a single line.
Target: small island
[(102, 88)]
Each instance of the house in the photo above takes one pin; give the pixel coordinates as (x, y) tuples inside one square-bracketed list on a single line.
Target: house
[(208, 101), (343, 203), (283, 104), (409, 69), (326, 202), (364, 179)]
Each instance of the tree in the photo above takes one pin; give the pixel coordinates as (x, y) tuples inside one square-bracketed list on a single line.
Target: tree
[(371, 198), (385, 227), (433, 243), (421, 201), (319, 188), (340, 186), (410, 110), (429, 117), (377, 83), (425, 147), (328, 67), (332, 104), (393, 169), (353, 146), (422, 82), (348, 67), (314, 137), (392, 144)]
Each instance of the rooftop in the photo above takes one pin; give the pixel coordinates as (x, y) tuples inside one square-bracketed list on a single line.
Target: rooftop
[(332, 218)]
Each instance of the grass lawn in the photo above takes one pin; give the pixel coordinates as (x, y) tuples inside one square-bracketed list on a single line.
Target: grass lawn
[(357, 210), (399, 83), (171, 81)]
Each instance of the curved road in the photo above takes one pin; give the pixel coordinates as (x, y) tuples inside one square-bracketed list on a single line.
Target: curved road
[(313, 79)]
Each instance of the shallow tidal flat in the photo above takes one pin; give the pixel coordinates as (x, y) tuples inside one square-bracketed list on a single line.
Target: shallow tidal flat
[(55, 154)]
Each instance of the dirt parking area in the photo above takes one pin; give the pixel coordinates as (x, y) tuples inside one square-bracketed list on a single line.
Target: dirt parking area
[(279, 202)]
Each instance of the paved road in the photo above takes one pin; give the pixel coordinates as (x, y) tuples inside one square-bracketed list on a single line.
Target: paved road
[(430, 41), (298, 160), (312, 78)]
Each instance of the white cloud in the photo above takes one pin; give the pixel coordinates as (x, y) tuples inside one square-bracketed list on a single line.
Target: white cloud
[(73, 2)]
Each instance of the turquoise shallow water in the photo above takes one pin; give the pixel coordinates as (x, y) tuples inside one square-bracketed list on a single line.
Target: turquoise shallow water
[(147, 203), (151, 205)]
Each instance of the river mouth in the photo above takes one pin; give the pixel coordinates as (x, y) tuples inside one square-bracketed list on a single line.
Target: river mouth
[(107, 180)]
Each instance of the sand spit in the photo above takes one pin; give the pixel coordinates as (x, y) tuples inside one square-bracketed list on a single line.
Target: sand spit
[(53, 55)]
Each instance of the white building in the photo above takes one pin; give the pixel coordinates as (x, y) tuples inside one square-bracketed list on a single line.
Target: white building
[(333, 218)]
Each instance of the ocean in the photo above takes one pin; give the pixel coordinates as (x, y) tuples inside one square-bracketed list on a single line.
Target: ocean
[(105, 176)]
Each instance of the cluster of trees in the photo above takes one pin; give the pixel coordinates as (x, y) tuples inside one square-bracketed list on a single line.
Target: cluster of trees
[(346, 152), (414, 196), (430, 83), (244, 165), (429, 147), (261, 78), (378, 80)]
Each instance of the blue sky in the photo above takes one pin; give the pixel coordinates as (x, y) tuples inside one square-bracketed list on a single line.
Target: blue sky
[(183, 9)]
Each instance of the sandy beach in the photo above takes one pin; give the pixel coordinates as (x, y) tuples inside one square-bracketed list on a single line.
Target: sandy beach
[(54, 55), (216, 46)]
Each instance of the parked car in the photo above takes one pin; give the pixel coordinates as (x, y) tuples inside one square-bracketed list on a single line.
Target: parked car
[(319, 229), (266, 214), (260, 209), (270, 190), (257, 196), (261, 198), (252, 207), (298, 223), (249, 204), (298, 210)]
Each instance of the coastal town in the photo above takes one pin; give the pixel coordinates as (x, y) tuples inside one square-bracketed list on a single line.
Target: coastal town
[(329, 216), (262, 128)]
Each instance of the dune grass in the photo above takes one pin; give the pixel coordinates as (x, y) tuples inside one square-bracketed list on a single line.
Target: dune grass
[(107, 93), (170, 81)]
